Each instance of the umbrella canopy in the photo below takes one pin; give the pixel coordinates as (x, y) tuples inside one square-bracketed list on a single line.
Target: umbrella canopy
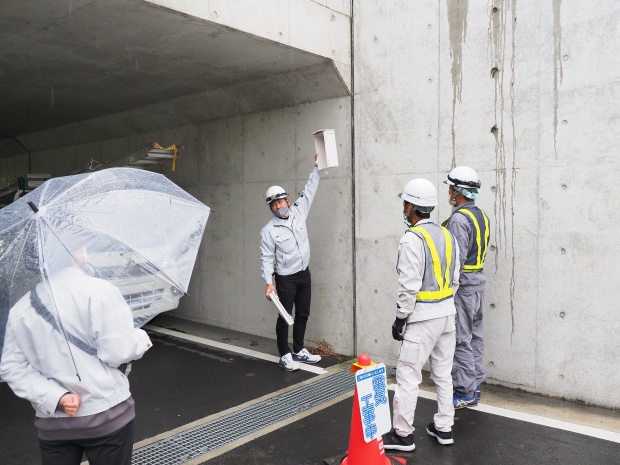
[(133, 228)]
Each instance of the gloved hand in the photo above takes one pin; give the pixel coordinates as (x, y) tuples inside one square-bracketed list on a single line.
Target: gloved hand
[(398, 329)]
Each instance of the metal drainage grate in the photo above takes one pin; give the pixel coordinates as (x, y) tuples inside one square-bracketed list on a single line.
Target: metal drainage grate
[(209, 436)]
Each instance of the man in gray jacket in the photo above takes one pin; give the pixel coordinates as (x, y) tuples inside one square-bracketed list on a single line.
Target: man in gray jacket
[(68, 370), (470, 226), (285, 254)]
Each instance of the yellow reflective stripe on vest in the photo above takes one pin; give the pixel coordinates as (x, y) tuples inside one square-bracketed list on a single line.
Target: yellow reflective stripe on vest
[(445, 287), (486, 236), (446, 234), (481, 256)]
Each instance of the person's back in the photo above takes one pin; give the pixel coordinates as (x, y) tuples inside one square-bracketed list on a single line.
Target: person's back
[(63, 343), (470, 226), (428, 259), (92, 311)]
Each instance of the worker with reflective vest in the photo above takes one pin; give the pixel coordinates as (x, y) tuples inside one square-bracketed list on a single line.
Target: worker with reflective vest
[(428, 267), (470, 226)]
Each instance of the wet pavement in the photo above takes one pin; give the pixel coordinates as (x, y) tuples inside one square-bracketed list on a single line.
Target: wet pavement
[(479, 439), (181, 382)]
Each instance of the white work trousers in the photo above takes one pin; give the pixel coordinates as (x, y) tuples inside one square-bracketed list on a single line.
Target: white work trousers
[(432, 340)]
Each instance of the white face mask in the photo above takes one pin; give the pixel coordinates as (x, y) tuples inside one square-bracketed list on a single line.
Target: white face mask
[(281, 212)]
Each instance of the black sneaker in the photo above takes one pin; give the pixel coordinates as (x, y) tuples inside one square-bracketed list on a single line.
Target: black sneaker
[(393, 441), (444, 438)]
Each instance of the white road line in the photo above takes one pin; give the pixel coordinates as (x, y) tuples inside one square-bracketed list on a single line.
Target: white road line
[(231, 348), (537, 419)]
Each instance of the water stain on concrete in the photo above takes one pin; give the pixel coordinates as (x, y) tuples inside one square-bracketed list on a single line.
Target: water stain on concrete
[(457, 20), (513, 10), (558, 72), (499, 16), (497, 36)]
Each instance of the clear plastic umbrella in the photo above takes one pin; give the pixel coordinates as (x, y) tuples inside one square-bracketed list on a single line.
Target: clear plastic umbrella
[(133, 228)]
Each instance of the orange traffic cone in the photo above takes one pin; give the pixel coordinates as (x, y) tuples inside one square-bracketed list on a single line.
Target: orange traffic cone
[(361, 452)]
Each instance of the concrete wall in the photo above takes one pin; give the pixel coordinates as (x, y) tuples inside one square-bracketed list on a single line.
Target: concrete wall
[(228, 164), (236, 161), (541, 130)]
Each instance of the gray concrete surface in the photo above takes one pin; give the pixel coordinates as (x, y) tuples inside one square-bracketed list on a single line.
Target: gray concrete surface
[(524, 92), (158, 67), (426, 99)]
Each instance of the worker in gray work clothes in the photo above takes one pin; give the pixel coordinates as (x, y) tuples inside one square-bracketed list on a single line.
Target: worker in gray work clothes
[(285, 255), (427, 277), (470, 226)]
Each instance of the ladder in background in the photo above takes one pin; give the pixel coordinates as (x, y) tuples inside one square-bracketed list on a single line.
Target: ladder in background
[(149, 155)]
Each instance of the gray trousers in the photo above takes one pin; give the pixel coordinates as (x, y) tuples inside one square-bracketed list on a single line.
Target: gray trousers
[(431, 340), (468, 368)]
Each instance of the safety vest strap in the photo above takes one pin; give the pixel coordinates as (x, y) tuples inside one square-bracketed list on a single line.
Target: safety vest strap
[(444, 283), (434, 296), (480, 246)]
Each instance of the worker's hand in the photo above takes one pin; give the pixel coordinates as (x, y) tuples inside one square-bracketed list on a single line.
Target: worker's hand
[(69, 404), (269, 290), (316, 155), (398, 329)]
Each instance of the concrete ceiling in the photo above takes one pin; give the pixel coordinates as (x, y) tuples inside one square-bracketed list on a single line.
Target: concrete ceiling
[(69, 67)]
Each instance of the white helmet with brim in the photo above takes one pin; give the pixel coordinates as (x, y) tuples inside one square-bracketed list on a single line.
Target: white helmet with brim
[(274, 193), (463, 176), (421, 193)]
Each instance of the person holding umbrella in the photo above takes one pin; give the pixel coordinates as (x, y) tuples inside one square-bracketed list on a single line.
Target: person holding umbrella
[(68, 370), (68, 326)]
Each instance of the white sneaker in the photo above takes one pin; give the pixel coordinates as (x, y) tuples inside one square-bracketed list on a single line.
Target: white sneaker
[(286, 362), (306, 357)]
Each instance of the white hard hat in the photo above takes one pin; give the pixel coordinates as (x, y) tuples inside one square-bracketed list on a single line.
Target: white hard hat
[(275, 193), (420, 192), (463, 176)]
